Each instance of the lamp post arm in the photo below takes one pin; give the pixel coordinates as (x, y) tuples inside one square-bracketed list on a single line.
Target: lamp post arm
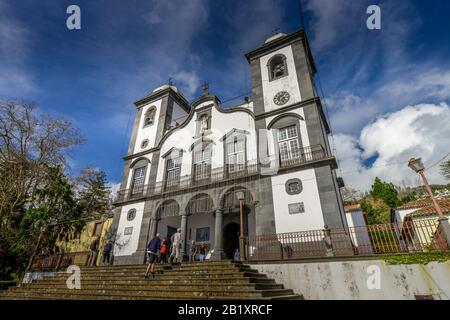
[(430, 192)]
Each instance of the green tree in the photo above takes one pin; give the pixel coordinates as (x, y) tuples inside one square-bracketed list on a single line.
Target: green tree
[(445, 169), (377, 189), (30, 144), (385, 191), (377, 211), (93, 192)]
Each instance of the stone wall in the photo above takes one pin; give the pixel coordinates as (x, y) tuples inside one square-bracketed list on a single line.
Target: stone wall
[(348, 280)]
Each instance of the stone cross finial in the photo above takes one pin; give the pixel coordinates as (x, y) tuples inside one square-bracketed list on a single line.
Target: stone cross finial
[(205, 87)]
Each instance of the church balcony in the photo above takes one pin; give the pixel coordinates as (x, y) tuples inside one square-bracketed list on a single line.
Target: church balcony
[(227, 174), (295, 157)]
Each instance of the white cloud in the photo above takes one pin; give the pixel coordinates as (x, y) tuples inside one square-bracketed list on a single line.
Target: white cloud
[(415, 131), (15, 81), (188, 82)]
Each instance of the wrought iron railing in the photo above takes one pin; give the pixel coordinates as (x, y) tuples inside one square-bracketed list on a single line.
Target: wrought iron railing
[(408, 237), (223, 174)]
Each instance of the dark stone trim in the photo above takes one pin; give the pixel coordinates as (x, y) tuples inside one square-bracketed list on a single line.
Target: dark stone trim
[(233, 131), (134, 133), (154, 96), (274, 45), (204, 142), (276, 119), (172, 150), (331, 211), (136, 161), (182, 125), (295, 180)]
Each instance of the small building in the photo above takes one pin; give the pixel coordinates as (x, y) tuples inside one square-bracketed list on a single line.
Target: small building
[(357, 225), (398, 214), (425, 224), (78, 242)]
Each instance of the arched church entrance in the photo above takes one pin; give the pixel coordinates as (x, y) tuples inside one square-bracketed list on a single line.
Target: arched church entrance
[(231, 239)]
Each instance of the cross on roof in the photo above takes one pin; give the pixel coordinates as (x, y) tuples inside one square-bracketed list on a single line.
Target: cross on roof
[(276, 30), (205, 87)]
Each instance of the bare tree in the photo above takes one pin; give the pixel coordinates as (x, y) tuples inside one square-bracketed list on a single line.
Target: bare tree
[(29, 143)]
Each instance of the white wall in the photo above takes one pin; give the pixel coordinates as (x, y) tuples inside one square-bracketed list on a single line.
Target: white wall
[(359, 234), (312, 218), (221, 124), (303, 131), (401, 214), (148, 132), (288, 83), (130, 241), (348, 280), (147, 174)]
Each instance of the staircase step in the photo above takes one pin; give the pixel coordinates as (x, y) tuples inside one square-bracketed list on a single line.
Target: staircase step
[(200, 280)]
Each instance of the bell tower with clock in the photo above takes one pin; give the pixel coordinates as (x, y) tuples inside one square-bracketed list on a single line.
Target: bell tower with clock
[(291, 123)]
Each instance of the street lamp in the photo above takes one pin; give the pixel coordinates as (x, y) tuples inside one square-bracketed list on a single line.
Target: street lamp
[(418, 167), (241, 196)]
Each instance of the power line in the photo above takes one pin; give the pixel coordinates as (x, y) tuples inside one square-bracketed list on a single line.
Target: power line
[(302, 20), (435, 164)]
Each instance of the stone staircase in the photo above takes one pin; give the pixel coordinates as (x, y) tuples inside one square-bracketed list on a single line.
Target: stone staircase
[(200, 281)]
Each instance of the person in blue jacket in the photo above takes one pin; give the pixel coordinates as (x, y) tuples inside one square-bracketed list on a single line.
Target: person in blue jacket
[(152, 250)]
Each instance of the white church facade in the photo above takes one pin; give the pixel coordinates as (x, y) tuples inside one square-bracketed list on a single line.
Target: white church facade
[(186, 161)]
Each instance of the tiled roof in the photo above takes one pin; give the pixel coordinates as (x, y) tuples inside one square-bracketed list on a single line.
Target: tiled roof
[(418, 203), (352, 207), (430, 210)]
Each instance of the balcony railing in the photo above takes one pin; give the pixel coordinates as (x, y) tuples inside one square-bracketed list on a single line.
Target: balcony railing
[(383, 239), (222, 174), (301, 155)]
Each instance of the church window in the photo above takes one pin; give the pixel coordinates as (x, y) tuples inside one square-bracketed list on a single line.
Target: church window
[(173, 172), (236, 155), (288, 143), (204, 123), (131, 214), (294, 186), (138, 180), (149, 117), (144, 144), (277, 67), (202, 164)]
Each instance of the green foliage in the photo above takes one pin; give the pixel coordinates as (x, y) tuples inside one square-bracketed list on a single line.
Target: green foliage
[(377, 211), (385, 191), (94, 195), (417, 258), (445, 169), (410, 196)]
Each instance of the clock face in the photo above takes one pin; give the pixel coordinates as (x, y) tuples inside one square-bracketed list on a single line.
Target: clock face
[(281, 98)]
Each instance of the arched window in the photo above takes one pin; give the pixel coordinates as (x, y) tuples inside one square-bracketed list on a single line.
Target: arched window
[(277, 67), (149, 118), (138, 178)]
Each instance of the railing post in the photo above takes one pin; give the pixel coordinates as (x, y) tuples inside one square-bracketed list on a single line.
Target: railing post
[(328, 242), (59, 261)]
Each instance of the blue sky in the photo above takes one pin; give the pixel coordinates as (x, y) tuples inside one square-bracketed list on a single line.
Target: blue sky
[(385, 90)]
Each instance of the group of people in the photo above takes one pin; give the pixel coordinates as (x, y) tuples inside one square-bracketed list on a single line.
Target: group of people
[(166, 251), (94, 247)]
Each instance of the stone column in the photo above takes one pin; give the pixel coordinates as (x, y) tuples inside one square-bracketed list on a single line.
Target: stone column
[(184, 218), (218, 253), (153, 227)]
